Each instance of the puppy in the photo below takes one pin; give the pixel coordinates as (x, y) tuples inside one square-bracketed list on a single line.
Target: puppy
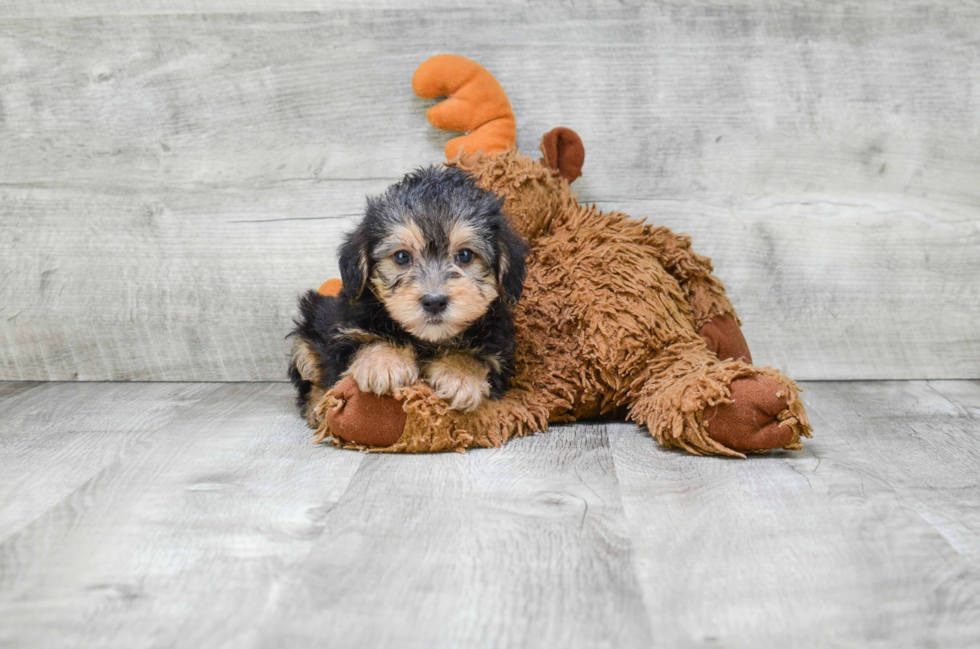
[(429, 277)]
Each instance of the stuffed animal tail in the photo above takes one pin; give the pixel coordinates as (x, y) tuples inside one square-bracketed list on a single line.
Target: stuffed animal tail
[(477, 104)]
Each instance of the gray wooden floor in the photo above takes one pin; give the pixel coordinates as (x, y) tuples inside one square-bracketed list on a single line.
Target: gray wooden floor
[(196, 515)]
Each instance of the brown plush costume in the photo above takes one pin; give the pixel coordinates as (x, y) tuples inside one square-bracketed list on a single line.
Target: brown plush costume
[(618, 318)]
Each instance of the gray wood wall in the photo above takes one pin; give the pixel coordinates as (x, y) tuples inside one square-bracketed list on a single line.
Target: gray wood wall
[(174, 172)]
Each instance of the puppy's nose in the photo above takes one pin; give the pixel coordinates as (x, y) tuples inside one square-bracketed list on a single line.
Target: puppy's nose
[(434, 303)]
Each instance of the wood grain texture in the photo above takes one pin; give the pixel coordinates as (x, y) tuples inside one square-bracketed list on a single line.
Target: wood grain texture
[(182, 542), (825, 154), (225, 528), (56, 436), (819, 548), (95, 8), (524, 546), (198, 283), (843, 286), (924, 439)]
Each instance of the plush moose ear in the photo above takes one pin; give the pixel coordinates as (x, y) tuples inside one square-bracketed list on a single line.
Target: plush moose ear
[(511, 263), (354, 256), (564, 152)]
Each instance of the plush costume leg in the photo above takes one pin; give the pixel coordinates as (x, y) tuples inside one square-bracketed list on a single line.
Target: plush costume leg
[(714, 316), (633, 341), (688, 399), (416, 421)]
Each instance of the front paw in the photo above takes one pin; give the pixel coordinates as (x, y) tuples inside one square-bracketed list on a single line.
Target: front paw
[(382, 368), (460, 380)]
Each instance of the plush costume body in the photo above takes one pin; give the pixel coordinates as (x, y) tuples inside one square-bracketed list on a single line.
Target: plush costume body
[(618, 318)]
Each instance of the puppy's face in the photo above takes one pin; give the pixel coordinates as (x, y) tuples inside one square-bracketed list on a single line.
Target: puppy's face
[(434, 278), (436, 251)]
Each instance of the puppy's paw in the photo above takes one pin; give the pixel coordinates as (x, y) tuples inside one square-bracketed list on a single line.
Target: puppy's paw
[(460, 380), (381, 368)]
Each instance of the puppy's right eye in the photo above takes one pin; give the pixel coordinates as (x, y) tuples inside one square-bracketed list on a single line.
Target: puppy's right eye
[(402, 257)]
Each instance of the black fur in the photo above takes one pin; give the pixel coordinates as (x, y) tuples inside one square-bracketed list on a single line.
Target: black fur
[(432, 197)]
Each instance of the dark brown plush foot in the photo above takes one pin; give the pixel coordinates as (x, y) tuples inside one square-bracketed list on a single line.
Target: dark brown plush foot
[(749, 422), (724, 337), (363, 418)]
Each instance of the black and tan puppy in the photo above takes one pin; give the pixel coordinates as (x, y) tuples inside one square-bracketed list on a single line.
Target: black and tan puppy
[(429, 276)]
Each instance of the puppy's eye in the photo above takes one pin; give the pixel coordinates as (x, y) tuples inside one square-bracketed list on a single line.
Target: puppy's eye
[(402, 257), (464, 256)]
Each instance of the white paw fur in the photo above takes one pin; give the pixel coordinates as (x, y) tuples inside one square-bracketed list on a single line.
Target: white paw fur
[(460, 380), (381, 368)]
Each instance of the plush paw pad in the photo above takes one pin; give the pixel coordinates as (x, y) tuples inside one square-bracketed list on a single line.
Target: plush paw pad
[(749, 422)]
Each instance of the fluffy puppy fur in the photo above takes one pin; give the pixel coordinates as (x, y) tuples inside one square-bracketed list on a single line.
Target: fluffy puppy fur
[(429, 277)]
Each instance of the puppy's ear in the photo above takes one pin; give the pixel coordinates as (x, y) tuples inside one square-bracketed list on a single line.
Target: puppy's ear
[(354, 261), (511, 263)]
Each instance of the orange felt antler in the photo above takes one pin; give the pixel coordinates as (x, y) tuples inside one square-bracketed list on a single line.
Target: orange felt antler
[(476, 104)]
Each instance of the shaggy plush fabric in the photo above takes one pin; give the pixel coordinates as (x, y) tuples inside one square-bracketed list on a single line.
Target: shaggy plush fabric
[(618, 318), (609, 322)]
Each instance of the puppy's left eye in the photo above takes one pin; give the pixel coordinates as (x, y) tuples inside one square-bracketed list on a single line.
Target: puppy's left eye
[(402, 257), (464, 256)]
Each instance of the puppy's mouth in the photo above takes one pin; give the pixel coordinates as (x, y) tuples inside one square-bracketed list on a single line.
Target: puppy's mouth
[(435, 328), (441, 321)]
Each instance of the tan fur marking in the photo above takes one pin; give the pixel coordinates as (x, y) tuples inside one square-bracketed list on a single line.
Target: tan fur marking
[(468, 300), (495, 362), (405, 236), (313, 419), (306, 360), (358, 335), (461, 235), (411, 235), (362, 261), (458, 379), (504, 265), (381, 367), (404, 306)]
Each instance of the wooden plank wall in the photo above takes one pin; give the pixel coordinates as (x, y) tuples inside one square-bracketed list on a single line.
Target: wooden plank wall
[(172, 175)]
